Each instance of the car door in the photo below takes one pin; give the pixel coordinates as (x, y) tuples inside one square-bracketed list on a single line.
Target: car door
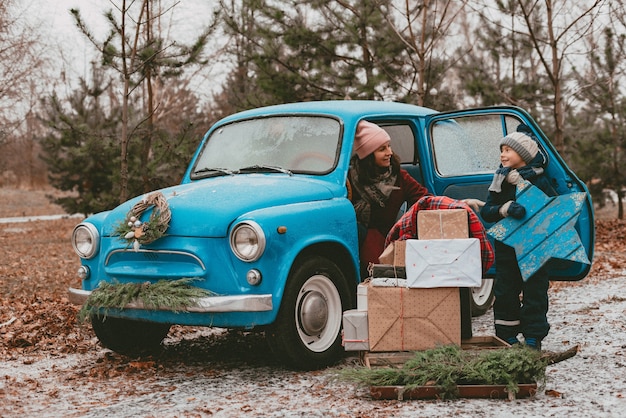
[(463, 153)]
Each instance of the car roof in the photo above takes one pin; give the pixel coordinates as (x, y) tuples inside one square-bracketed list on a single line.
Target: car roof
[(345, 109)]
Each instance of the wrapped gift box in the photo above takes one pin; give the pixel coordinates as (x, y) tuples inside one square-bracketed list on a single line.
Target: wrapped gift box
[(361, 297), (387, 270), (437, 262), (355, 330), (393, 254), (388, 282), (405, 319), (443, 263), (442, 224), (431, 224)]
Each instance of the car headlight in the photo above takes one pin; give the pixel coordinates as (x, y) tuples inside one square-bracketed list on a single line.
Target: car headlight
[(85, 240), (247, 241)]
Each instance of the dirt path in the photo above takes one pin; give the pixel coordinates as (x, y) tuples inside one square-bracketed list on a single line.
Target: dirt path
[(215, 373)]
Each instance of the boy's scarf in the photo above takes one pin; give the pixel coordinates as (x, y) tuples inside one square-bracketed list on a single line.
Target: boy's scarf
[(527, 173), (377, 193)]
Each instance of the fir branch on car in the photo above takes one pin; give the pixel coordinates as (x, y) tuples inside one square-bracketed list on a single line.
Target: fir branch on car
[(449, 366), (175, 295)]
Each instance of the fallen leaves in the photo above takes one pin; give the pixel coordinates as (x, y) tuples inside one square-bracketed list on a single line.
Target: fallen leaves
[(41, 325), (553, 393)]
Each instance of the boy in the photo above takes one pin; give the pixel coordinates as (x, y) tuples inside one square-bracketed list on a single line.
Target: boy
[(520, 159)]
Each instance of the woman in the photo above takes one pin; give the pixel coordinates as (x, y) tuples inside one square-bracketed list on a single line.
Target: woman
[(379, 188)]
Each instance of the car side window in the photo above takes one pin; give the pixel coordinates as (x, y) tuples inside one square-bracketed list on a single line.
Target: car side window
[(469, 145), (402, 142)]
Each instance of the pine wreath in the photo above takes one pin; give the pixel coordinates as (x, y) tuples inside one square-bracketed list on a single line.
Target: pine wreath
[(136, 232)]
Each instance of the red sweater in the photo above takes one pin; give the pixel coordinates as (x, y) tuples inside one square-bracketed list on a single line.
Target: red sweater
[(382, 219), (410, 191)]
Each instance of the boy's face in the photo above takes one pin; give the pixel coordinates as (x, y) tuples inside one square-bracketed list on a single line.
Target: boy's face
[(510, 158)]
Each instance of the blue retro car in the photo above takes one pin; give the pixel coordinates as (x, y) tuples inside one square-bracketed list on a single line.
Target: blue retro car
[(262, 222)]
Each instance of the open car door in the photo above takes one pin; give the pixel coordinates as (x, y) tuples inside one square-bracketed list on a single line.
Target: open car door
[(464, 146)]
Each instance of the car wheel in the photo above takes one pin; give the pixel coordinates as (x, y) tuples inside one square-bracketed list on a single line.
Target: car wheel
[(129, 337), (307, 332), (482, 298)]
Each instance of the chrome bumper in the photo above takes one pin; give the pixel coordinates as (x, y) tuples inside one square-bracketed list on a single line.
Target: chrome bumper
[(239, 303)]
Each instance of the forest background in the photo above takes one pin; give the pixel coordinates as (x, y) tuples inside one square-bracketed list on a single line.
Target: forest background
[(131, 123)]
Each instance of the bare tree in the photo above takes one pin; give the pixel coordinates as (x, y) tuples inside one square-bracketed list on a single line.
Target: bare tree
[(565, 23), (424, 28), (20, 66), (19, 61), (142, 56)]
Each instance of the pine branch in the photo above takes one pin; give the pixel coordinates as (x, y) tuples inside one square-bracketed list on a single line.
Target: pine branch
[(449, 366), (175, 295), (552, 357)]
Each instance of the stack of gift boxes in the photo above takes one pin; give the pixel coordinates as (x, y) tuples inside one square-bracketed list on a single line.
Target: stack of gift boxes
[(414, 300)]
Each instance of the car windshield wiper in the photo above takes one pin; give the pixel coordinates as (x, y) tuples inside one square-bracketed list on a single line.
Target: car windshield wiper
[(214, 170), (263, 167)]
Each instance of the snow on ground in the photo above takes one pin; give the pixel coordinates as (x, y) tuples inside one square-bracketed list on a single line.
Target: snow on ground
[(591, 384)]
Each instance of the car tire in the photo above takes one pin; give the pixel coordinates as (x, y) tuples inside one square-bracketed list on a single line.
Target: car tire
[(307, 332), (129, 337), (482, 298)]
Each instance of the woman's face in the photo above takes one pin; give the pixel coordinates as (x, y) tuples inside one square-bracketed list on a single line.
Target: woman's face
[(382, 156)]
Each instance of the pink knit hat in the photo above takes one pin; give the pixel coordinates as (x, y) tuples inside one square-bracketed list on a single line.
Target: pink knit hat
[(369, 137)]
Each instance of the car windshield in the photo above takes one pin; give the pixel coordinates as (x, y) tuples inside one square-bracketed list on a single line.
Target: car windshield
[(280, 144)]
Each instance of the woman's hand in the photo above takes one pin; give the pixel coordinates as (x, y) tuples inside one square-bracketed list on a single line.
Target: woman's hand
[(475, 204)]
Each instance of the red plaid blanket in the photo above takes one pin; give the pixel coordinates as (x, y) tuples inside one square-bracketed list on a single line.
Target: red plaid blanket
[(406, 226)]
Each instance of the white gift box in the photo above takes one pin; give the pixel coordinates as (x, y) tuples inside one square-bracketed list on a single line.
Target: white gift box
[(355, 330), (443, 263), (388, 282), (361, 297)]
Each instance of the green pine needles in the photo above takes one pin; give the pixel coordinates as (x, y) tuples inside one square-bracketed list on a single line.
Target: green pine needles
[(151, 230), (175, 295), (449, 366)]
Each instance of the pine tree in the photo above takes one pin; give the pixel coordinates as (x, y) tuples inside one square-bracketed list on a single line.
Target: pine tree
[(137, 49), (81, 147), (310, 50), (600, 140), (502, 68)]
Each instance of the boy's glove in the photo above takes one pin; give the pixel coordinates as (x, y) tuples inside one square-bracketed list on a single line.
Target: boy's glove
[(513, 177), (512, 209)]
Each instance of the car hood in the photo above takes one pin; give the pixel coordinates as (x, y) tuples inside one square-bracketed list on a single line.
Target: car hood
[(206, 208)]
